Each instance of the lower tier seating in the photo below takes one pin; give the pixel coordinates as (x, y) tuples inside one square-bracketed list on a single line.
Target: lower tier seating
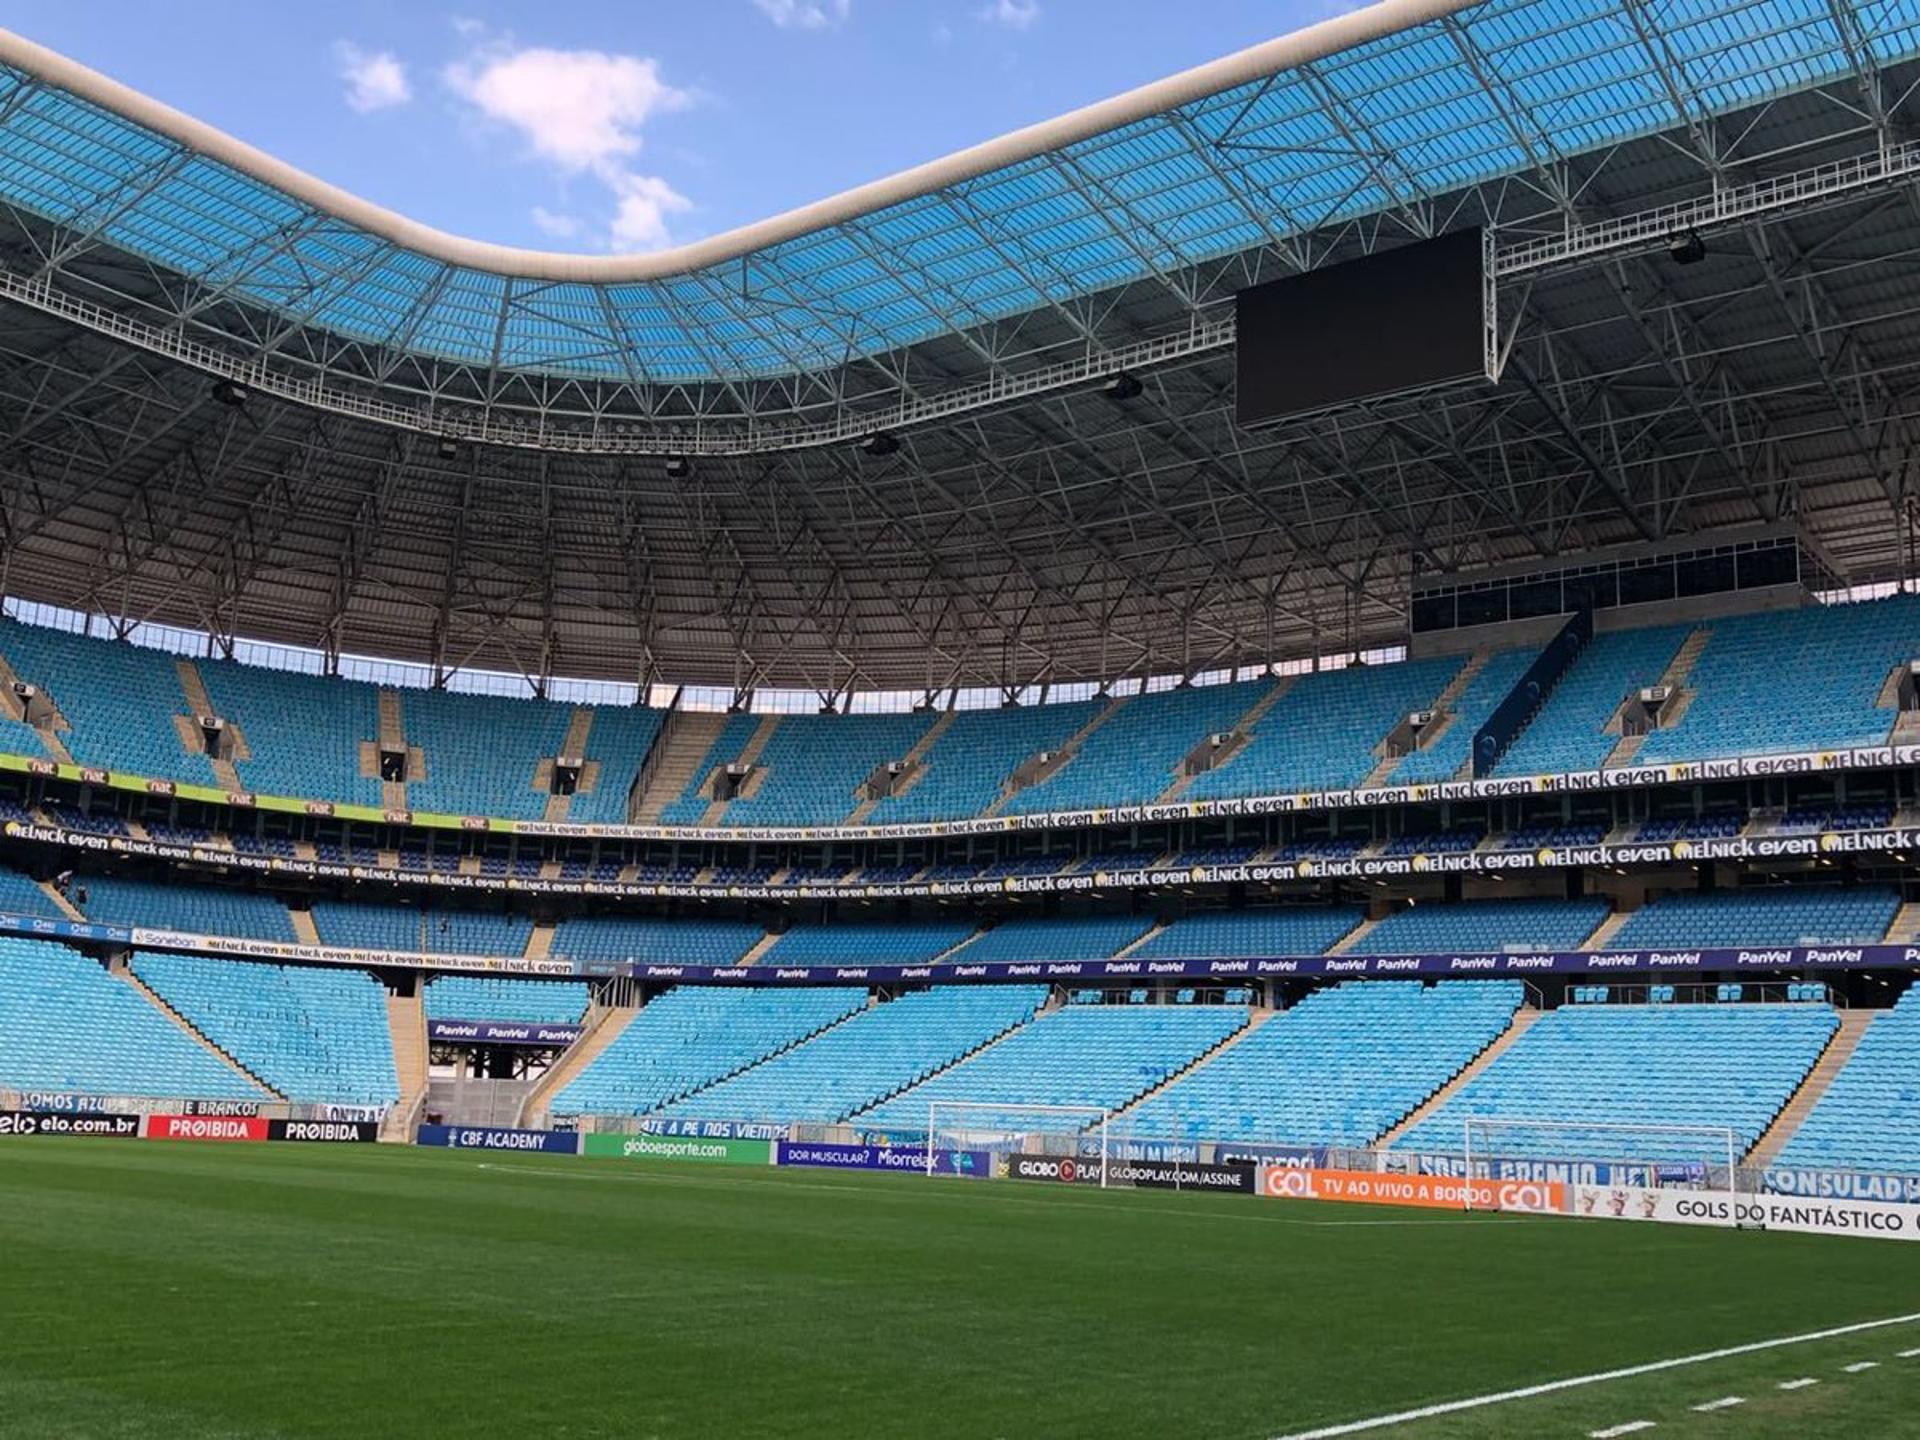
[(861, 1061), (1104, 1055), (495, 997), (1340, 1068), (65, 1024), (1869, 1119), (691, 1037), (314, 1033), (1730, 1066)]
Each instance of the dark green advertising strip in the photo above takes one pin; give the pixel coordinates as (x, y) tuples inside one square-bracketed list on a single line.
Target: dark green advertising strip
[(679, 1147)]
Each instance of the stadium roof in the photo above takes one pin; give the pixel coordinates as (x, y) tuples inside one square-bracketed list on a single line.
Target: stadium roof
[(1028, 527)]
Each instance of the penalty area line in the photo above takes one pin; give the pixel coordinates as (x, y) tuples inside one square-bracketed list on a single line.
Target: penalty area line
[(1599, 1377)]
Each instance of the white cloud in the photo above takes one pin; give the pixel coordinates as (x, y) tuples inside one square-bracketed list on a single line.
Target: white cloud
[(582, 111), (1014, 14), (805, 14), (561, 227), (375, 80)]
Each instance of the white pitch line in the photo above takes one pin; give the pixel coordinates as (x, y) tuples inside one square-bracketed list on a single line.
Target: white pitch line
[(1910, 1354), (1600, 1377), (1861, 1365), (1800, 1384), (1629, 1428), (1725, 1402)]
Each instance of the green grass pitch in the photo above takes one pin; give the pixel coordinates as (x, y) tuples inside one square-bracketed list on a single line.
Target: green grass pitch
[(195, 1291)]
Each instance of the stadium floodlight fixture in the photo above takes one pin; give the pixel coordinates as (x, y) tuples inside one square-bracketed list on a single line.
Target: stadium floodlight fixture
[(1685, 247), (679, 467), (1122, 386), (880, 444), (230, 392)]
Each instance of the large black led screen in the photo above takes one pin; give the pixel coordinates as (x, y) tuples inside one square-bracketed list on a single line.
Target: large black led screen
[(1400, 320)]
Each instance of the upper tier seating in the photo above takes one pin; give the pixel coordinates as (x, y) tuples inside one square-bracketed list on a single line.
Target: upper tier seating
[(623, 939), (861, 1061), (482, 752), (1477, 926), (1445, 757), (65, 1024), (1569, 731), (1675, 1065), (866, 942), (1065, 937), (195, 909), (815, 764), (1804, 679), (691, 1037), (496, 997), (1322, 733), (365, 925), (968, 765), (1231, 934), (618, 740), (303, 732), (1869, 1118), (1776, 915), (1340, 1068), (314, 1033), (1130, 757), (120, 700), (691, 804), (1101, 1055)]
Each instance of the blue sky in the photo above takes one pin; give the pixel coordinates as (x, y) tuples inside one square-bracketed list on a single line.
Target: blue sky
[(595, 125)]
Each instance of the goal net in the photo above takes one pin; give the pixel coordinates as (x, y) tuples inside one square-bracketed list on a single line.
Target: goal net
[(1059, 1142), (1591, 1155)]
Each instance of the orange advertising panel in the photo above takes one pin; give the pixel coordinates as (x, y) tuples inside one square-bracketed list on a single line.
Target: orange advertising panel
[(1435, 1192)]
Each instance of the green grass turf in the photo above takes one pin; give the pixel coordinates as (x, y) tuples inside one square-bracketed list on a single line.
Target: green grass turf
[(182, 1290)]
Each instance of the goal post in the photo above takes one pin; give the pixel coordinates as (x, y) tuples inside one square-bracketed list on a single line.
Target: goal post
[(1084, 1134), (1594, 1152)]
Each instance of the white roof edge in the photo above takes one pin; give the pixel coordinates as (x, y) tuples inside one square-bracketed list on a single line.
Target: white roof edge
[(1329, 37)]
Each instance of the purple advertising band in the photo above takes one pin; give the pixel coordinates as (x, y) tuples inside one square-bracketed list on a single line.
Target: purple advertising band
[(501, 1032)]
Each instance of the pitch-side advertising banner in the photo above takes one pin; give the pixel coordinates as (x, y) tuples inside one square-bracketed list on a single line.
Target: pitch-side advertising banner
[(976, 1163), (1843, 1185), (41, 1122), (487, 1137), (324, 1132), (1432, 1192), (1144, 1174), (679, 1147), (206, 1127), (1771, 1212)]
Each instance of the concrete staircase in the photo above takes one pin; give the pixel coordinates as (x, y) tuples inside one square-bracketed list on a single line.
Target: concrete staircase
[(1602, 938), (915, 759), (604, 1024), (65, 906), (407, 1025), (1442, 703), (303, 927), (1627, 748), (758, 950), (1833, 1059), (749, 754), (1354, 941), (188, 1028), (1061, 757), (1523, 1021), (540, 940), (1242, 730), (1255, 1020), (393, 736), (684, 744), (579, 726), (1905, 929), (11, 706), (199, 703)]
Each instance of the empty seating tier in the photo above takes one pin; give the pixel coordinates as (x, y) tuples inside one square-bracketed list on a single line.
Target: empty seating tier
[(906, 942), (1869, 1118), (1230, 934), (1484, 926), (365, 925), (1777, 915), (495, 997)]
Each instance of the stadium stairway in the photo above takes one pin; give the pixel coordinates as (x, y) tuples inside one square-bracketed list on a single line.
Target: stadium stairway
[(1444, 703), (1833, 1059), (1522, 1021), (686, 739), (60, 902), (749, 755), (303, 926), (540, 940), (1062, 757), (194, 690), (1608, 928), (1679, 668), (1905, 929), (407, 1026), (579, 727), (1255, 1019), (1354, 942), (393, 736), (13, 708), (125, 972), (1241, 732), (603, 1027), (915, 768)]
